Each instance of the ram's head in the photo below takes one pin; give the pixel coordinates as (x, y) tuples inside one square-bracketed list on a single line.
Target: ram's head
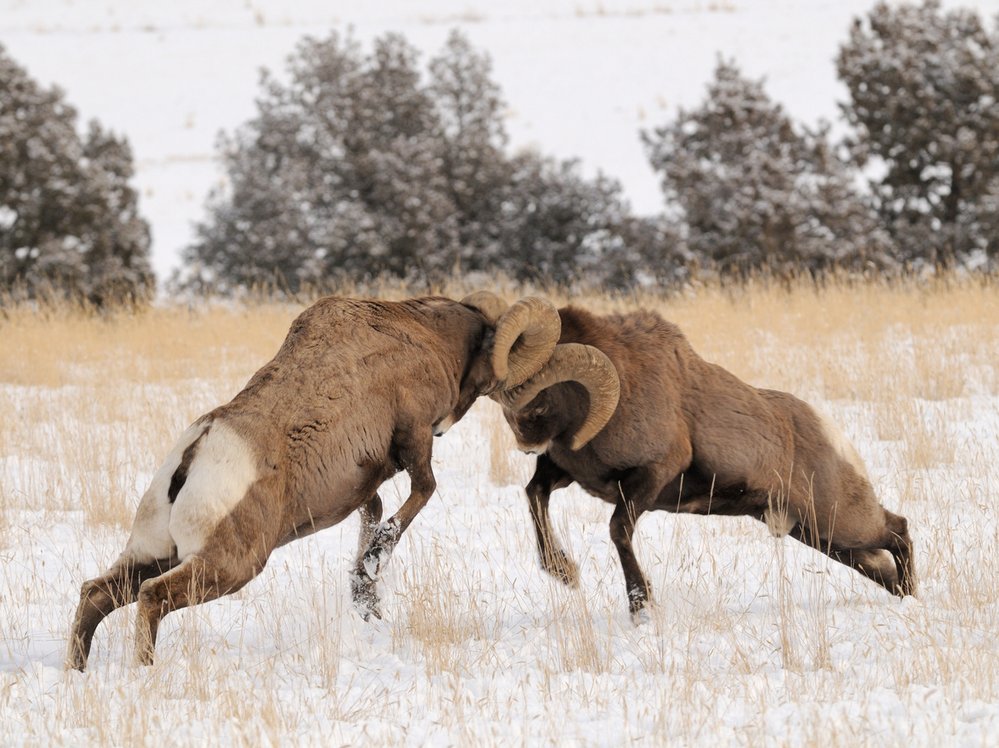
[(537, 414), (515, 344)]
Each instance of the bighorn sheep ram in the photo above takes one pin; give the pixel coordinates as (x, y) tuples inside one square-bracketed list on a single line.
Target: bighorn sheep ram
[(354, 395), (627, 409)]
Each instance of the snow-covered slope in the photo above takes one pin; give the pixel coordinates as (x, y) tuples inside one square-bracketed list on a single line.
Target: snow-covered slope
[(581, 77)]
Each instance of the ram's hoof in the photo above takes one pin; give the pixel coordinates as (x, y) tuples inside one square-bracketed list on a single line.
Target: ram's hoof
[(364, 596), (638, 606), (563, 568), (368, 609), (641, 617)]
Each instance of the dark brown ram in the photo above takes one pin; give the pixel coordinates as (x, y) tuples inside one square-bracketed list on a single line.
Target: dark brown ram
[(628, 410)]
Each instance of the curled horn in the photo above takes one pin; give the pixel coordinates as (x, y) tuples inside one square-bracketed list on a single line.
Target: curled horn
[(574, 362), (526, 335), (491, 305)]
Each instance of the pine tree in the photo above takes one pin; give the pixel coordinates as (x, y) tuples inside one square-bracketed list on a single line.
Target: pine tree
[(356, 168), (924, 103), (472, 138), (755, 192), (68, 217), (337, 176), (558, 227)]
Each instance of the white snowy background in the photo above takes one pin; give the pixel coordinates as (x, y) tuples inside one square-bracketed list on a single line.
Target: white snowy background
[(753, 642)]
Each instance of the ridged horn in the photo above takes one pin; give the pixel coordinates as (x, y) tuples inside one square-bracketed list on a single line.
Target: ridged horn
[(526, 335), (491, 305), (574, 362)]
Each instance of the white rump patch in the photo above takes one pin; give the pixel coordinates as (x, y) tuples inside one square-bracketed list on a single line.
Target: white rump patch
[(150, 538), (844, 448), (222, 471)]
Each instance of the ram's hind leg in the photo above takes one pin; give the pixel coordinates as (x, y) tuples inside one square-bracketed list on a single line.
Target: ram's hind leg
[(885, 559), (876, 565), (200, 578), (362, 586), (900, 546), (101, 596)]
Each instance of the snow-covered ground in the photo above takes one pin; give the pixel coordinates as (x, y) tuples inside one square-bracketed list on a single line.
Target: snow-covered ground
[(581, 77), (752, 641)]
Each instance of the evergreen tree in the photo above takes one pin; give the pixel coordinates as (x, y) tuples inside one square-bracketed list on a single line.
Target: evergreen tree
[(924, 102), (335, 177), (559, 227), (473, 140), (755, 192), (355, 168), (68, 216)]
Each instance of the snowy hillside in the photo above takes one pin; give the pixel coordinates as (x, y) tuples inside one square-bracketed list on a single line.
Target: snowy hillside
[(580, 77)]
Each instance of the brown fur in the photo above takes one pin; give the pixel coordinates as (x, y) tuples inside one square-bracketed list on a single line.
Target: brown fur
[(688, 436), (351, 398)]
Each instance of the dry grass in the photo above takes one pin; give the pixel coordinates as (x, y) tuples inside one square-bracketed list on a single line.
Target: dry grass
[(752, 640), (61, 346), (135, 380), (507, 467)]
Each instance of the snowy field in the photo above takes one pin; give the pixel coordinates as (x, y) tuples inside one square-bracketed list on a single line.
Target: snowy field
[(581, 77), (752, 641)]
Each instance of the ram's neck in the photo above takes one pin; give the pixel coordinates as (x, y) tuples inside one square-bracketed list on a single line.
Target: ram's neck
[(458, 328)]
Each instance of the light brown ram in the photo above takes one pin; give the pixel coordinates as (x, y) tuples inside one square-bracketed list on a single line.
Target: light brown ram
[(354, 395), (628, 410)]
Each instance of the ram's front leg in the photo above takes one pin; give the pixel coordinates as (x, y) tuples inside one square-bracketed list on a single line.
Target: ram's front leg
[(636, 495), (547, 478), (362, 586), (413, 449)]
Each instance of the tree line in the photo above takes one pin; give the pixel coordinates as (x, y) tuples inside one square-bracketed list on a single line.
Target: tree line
[(361, 165)]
